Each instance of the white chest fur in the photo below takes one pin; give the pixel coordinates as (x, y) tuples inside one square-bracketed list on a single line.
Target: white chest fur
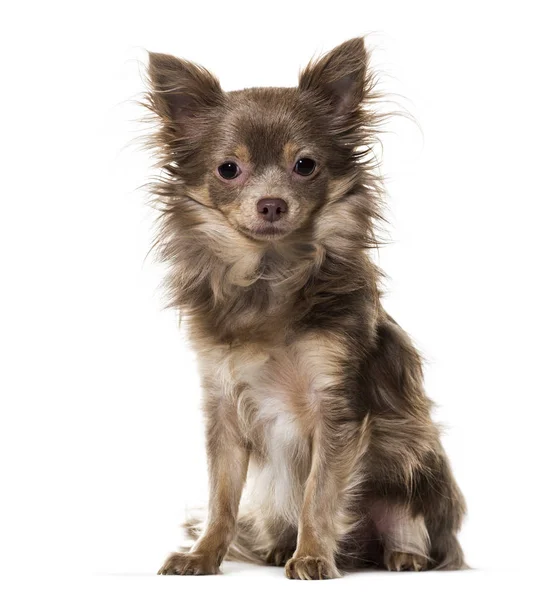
[(276, 478)]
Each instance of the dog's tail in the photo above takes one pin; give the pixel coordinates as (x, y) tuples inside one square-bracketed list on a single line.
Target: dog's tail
[(243, 548)]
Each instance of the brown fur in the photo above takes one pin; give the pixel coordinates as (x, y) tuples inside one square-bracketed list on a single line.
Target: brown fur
[(310, 388)]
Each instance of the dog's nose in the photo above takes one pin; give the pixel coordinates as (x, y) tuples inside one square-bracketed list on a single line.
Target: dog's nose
[(272, 209)]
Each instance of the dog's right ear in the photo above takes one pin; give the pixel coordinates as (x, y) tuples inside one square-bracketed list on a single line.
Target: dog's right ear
[(180, 90)]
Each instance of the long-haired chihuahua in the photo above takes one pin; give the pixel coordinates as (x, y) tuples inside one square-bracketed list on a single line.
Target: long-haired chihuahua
[(313, 394)]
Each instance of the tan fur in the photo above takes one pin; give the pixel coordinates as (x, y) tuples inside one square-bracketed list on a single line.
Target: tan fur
[(290, 151), (242, 153)]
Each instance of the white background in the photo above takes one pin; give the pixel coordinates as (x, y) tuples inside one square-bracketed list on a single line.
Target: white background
[(100, 429)]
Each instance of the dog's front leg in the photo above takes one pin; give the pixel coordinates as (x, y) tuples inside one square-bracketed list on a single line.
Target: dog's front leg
[(336, 450), (228, 464)]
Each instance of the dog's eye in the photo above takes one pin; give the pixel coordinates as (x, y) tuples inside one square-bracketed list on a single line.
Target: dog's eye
[(304, 166), (228, 170)]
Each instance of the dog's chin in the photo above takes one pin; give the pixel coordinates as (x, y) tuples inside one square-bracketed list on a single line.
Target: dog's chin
[(268, 232)]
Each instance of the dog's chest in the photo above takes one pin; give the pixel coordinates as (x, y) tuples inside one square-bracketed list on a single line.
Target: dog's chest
[(271, 391), (276, 394)]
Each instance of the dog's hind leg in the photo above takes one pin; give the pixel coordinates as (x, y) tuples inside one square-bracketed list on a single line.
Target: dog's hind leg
[(404, 537), (420, 505)]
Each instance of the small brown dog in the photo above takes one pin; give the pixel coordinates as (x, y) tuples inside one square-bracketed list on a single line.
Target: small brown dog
[(268, 206)]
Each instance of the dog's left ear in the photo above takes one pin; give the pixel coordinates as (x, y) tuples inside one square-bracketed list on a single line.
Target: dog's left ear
[(340, 77)]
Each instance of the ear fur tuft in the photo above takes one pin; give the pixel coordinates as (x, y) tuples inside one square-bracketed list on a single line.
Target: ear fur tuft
[(181, 89), (340, 77)]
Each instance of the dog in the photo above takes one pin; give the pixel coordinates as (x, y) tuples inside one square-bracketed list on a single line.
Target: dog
[(313, 395)]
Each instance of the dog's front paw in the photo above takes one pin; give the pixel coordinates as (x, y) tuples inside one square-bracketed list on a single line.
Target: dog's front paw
[(403, 561), (179, 563), (311, 567)]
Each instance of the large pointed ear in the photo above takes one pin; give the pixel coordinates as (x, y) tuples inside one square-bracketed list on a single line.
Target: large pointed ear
[(340, 77), (181, 90)]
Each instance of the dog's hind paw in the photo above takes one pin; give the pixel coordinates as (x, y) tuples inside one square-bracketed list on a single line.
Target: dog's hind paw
[(403, 561)]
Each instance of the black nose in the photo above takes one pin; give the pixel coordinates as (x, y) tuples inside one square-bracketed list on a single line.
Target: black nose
[(272, 209)]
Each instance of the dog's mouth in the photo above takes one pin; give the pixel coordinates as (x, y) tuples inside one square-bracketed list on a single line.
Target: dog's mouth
[(266, 232)]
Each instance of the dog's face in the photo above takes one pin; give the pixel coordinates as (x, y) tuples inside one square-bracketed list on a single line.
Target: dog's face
[(268, 169), (268, 159)]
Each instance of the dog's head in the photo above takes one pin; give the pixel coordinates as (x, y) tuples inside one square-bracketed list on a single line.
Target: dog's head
[(267, 159)]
